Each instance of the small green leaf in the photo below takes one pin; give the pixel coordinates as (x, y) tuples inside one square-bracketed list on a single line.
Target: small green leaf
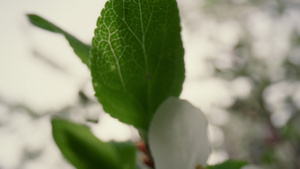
[(230, 164), (137, 58), (82, 149), (127, 153), (81, 50)]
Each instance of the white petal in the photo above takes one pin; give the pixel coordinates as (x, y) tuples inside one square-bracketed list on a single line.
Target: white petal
[(178, 136)]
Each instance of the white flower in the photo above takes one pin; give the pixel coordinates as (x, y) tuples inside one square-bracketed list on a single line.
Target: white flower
[(178, 136)]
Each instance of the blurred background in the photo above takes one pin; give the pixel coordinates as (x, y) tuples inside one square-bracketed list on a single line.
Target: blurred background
[(242, 69)]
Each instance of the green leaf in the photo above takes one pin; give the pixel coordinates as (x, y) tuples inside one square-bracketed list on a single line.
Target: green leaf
[(81, 50), (82, 149), (137, 58), (127, 153), (230, 164)]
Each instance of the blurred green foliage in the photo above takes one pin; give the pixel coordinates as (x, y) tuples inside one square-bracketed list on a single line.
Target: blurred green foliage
[(264, 125)]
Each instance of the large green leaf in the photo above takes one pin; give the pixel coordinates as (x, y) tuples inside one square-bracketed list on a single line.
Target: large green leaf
[(82, 149), (81, 50), (230, 164), (137, 58)]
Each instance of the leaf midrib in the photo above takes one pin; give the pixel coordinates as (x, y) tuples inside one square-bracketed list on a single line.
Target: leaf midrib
[(143, 46)]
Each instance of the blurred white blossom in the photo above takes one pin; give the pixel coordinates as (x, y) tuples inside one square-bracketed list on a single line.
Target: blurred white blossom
[(178, 136)]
